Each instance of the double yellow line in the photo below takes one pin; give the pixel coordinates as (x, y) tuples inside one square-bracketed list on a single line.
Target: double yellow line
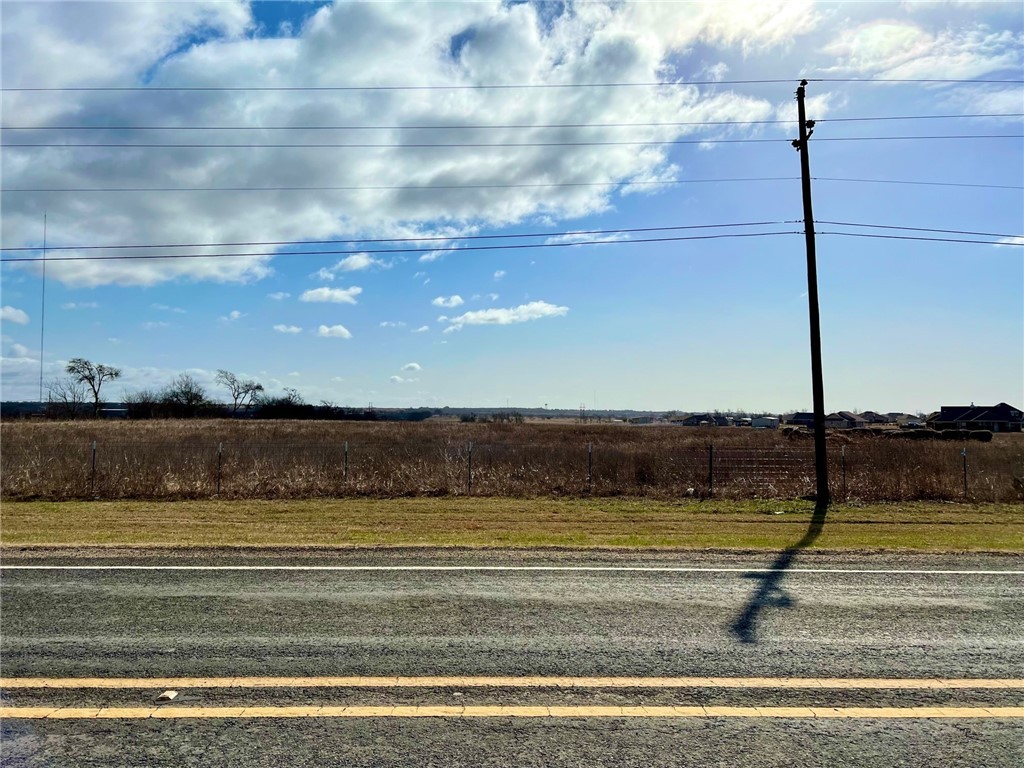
[(483, 711)]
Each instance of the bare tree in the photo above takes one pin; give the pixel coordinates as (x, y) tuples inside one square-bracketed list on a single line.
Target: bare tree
[(143, 404), (92, 375), (243, 391), (184, 396), (65, 398)]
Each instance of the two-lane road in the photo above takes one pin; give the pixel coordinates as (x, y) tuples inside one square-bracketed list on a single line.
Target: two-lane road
[(221, 619)]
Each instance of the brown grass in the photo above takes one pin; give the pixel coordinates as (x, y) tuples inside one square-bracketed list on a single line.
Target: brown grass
[(577, 523), (293, 459)]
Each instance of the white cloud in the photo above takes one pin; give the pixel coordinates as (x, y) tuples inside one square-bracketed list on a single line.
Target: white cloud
[(449, 301), (13, 315), (113, 340), (500, 274), (333, 332), (19, 350), (1012, 241), (493, 296), (534, 310), (392, 324), (279, 295), (902, 49), (232, 316), (294, 374), (334, 295), (422, 329), (355, 263), (287, 328), (412, 367), (165, 308), (583, 237), (153, 325), (400, 380), (80, 305)]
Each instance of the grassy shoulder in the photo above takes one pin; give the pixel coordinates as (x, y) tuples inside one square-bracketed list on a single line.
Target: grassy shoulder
[(492, 522)]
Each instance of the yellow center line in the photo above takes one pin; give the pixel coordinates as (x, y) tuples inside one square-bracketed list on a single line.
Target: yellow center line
[(264, 712), (510, 682)]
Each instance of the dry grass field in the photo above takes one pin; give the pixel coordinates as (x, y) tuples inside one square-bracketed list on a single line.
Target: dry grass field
[(308, 459)]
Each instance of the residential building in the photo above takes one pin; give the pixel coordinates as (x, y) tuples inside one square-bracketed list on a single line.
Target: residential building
[(995, 418)]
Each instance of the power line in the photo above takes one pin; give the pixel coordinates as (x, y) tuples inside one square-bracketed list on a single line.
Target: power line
[(514, 246), (916, 229), (498, 145), (538, 185), (403, 187), (426, 239), (924, 239), (487, 126), (496, 86), (920, 183)]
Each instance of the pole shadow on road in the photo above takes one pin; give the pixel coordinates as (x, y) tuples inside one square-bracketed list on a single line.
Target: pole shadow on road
[(769, 592)]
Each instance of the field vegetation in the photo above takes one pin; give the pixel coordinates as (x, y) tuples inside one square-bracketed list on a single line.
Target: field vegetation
[(280, 459)]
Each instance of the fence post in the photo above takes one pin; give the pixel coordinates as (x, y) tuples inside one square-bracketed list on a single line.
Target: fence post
[(345, 476), (220, 462), (842, 453), (963, 453), (469, 469), (590, 466), (711, 470), (92, 477)]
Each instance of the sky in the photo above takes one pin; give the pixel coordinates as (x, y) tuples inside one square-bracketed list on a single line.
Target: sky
[(558, 118)]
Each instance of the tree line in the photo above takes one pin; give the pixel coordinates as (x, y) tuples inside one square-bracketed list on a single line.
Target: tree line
[(79, 393)]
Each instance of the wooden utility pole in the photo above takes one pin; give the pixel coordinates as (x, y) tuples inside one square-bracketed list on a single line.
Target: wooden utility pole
[(817, 385)]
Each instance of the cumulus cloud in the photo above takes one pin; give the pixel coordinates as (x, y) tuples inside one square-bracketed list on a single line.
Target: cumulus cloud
[(19, 350), (448, 301), (13, 315), (334, 295), (392, 324), (232, 316), (279, 295), (287, 328), (354, 263), (400, 380), (412, 367), (333, 332), (534, 310), (437, 193), (500, 274)]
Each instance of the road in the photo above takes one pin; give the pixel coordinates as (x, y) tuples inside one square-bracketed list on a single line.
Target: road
[(566, 617)]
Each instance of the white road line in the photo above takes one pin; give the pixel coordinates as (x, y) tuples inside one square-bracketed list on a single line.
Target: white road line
[(501, 568)]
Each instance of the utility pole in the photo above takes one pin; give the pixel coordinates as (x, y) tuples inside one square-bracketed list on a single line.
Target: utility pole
[(817, 385), (42, 319)]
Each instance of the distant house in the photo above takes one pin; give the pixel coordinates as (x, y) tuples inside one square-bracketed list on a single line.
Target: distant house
[(703, 420), (799, 420), (765, 422), (844, 420), (870, 417), (995, 418)]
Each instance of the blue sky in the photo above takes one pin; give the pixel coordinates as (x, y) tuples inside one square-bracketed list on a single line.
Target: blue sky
[(687, 325)]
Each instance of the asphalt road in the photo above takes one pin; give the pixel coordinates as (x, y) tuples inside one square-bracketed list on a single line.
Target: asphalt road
[(539, 614)]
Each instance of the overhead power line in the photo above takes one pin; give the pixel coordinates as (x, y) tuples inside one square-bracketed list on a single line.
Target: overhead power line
[(538, 185), (514, 246), (499, 86), (489, 126), (424, 239), (922, 239), (917, 229), (496, 145)]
